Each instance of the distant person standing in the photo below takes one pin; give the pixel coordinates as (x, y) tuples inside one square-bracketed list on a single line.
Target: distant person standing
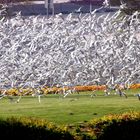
[(107, 91), (120, 92)]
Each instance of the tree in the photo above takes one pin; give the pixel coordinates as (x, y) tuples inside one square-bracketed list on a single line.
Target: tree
[(127, 6), (130, 6)]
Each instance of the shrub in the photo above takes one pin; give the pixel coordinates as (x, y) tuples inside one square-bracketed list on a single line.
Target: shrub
[(30, 128), (117, 127), (111, 127)]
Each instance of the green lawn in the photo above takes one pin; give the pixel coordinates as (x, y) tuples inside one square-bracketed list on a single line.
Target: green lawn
[(72, 109)]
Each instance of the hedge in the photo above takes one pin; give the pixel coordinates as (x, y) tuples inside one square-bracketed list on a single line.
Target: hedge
[(31, 129), (111, 127)]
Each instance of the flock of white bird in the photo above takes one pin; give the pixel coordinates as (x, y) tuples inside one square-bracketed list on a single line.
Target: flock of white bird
[(77, 49)]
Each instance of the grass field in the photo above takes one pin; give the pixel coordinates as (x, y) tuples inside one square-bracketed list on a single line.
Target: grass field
[(72, 109)]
